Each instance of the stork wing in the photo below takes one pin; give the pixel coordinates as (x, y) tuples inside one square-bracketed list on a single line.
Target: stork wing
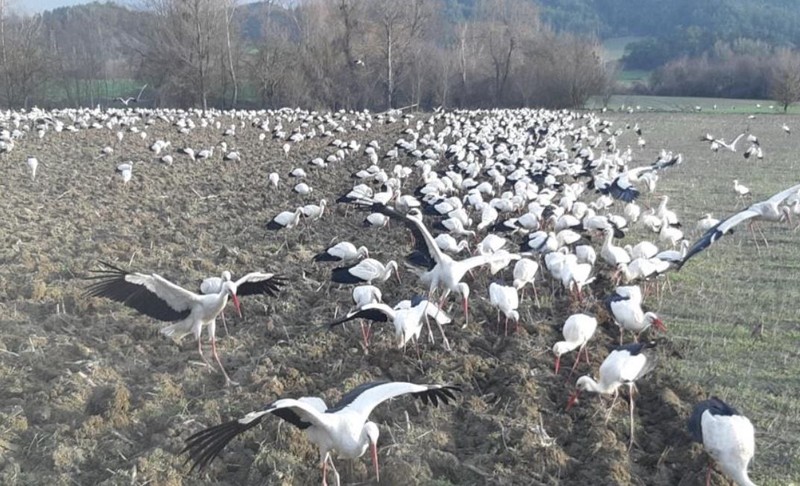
[(364, 398), (151, 295), (140, 92), (207, 444), (781, 196), (713, 405), (476, 261), (373, 312), (643, 354), (426, 251), (622, 189), (433, 311), (259, 283), (210, 285), (716, 232)]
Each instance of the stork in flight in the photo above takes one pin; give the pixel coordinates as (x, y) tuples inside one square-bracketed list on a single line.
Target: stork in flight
[(161, 299), (343, 429), (126, 101), (767, 210)]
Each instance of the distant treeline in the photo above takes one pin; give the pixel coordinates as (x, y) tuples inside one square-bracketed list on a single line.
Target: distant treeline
[(677, 28), (319, 54)]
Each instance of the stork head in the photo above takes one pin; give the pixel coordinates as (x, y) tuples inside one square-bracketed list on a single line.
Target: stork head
[(583, 383), (560, 348), (230, 288), (573, 398), (372, 433), (226, 276), (392, 267), (655, 321)]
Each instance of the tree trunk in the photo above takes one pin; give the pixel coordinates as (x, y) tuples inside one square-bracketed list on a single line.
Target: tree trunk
[(231, 68), (389, 67)]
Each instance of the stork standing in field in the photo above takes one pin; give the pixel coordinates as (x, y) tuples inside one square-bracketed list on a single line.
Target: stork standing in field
[(578, 330), (771, 209), (344, 251), (365, 271), (740, 190), (33, 163), (285, 219), (726, 435), (625, 306), (161, 299), (343, 429), (623, 366), (506, 299), (525, 271), (407, 317)]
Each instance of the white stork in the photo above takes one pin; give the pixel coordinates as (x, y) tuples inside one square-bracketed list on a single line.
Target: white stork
[(161, 299), (343, 429), (727, 436), (285, 219), (407, 317), (623, 366), (33, 163), (506, 299), (344, 251), (578, 330), (768, 210), (625, 306), (365, 271)]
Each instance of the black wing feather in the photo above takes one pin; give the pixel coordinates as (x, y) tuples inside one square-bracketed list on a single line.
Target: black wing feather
[(615, 297), (111, 284), (269, 286), (434, 395), (708, 238), (628, 194), (421, 256), (207, 444), (369, 314), (342, 275), (716, 407)]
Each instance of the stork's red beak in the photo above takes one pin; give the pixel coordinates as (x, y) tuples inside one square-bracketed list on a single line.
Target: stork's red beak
[(659, 324), (573, 399), (374, 447), (236, 304), (558, 363)]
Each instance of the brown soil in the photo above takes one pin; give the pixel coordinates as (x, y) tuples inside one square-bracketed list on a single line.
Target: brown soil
[(91, 393)]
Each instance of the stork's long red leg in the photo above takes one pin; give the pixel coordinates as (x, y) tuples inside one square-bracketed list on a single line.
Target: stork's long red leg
[(228, 380)]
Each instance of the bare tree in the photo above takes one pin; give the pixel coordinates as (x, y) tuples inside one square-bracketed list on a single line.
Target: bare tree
[(24, 63), (505, 26), (230, 11), (400, 24), (185, 35), (785, 78)]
